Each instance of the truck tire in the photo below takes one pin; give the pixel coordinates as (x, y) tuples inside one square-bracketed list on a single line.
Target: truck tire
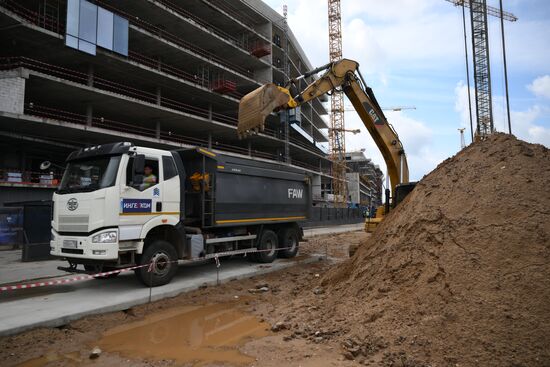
[(163, 257), (268, 241), (95, 269), (289, 240)]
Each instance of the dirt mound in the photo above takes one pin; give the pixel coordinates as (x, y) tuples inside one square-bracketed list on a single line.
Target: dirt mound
[(459, 274)]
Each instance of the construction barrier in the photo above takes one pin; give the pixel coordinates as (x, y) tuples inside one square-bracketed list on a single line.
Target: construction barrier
[(216, 257)]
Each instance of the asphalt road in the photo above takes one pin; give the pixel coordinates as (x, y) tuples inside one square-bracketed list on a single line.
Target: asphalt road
[(57, 305)]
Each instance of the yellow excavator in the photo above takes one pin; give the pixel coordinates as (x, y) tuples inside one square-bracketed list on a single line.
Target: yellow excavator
[(258, 104)]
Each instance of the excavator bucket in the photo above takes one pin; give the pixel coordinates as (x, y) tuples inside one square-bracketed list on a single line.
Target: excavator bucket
[(257, 105)]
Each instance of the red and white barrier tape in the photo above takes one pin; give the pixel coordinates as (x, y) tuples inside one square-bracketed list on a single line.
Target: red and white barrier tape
[(216, 258), (67, 280)]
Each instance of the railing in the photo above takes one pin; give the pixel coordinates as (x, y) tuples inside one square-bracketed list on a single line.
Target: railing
[(29, 178), (58, 26), (241, 17), (42, 20), (186, 14), (108, 85), (140, 94), (175, 39), (61, 115)]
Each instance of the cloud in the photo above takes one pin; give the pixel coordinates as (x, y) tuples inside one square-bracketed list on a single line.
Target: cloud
[(461, 103), (527, 124), (540, 87), (416, 136)]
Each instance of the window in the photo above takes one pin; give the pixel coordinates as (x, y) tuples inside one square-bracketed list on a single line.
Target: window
[(150, 176), (89, 25), (168, 167), (87, 29), (73, 14), (71, 41), (120, 41), (90, 174), (105, 24)]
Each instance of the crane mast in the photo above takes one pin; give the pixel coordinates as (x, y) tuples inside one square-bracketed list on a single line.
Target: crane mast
[(337, 137), (479, 10)]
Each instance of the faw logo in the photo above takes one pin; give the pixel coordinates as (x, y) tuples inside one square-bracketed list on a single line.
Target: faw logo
[(72, 204), (295, 193)]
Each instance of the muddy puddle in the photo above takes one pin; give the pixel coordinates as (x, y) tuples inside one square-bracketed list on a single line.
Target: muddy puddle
[(196, 335), (190, 335), (54, 359)]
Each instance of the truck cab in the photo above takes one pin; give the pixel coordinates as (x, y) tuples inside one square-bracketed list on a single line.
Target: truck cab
[(119, 205)]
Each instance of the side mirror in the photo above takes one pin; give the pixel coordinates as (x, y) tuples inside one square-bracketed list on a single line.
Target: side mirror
[(45, 165), (138, 168)]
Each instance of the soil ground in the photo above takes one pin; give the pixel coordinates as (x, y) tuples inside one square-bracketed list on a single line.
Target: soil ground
[(71, 344)]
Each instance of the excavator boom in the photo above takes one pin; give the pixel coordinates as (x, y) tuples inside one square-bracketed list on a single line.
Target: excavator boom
[(257, 105)]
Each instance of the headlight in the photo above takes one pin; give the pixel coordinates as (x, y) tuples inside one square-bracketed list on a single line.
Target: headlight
[(105, 237)]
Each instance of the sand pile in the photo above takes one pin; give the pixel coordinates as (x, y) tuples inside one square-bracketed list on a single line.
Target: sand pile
[(459, 274)]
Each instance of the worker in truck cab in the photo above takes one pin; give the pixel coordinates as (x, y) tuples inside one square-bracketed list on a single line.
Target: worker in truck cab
[(149, 179)]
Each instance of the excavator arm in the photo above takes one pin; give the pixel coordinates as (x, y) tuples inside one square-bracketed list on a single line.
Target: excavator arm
[(344, 74)]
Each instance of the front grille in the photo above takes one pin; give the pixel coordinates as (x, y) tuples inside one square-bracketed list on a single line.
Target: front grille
[(73, 223), (72, 251)]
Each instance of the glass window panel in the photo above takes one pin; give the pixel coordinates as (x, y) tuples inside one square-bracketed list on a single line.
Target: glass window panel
[(71, 41), (120, 41), (104, 28), (168, 167), (73, 13), (86, 47), (88, 22)]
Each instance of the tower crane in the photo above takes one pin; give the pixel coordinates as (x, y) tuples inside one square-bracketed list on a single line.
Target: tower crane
[(389, 108), (337, 136), (482, 71)]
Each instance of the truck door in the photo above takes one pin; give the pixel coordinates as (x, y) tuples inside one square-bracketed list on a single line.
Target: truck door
[(170, 187), (140, 202)]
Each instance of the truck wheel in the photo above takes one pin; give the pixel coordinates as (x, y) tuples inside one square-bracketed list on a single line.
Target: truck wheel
[(289, 240), (95, 269), (162, 256), (268, 241)]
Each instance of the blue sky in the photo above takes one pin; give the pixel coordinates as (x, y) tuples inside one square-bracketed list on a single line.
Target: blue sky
[(412, 53)]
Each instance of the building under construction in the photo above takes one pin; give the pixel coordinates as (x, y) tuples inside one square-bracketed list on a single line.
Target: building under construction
[(364, 180), (160, 73)]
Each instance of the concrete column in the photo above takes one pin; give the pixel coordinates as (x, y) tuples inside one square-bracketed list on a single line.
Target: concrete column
[(90, 75), (210, 112), (12, 91), (263, 75), (250, 148), (89, 114), (209, 140), (316, 186), (159, 96), (157, 129)]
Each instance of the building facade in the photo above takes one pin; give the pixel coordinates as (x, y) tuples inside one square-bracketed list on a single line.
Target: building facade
[(158, 73), (365, 180)]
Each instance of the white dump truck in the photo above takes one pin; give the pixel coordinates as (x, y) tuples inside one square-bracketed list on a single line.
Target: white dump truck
[(120, 205)]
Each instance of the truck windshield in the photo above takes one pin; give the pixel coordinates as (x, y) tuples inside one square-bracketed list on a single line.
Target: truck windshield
[(89, 174)]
